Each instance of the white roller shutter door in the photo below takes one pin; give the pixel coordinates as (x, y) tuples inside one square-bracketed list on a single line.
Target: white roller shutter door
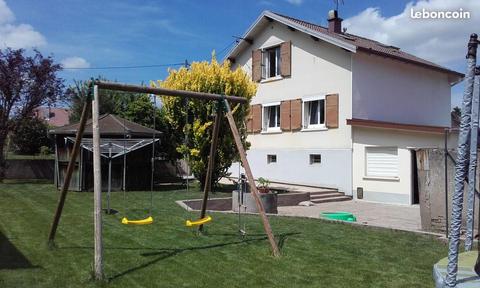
[(382, 162)]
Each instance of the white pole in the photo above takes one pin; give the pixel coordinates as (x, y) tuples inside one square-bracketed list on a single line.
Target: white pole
[(97, 188)]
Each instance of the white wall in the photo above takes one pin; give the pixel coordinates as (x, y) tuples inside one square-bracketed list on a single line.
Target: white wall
[(393, 91), (391, 191), (293, 166), (317, 68)]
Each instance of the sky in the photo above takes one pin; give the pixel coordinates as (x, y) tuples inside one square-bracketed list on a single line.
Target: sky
[(82, 34)]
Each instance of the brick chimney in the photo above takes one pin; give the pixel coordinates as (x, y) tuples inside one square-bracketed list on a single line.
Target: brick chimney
[(334, 22)]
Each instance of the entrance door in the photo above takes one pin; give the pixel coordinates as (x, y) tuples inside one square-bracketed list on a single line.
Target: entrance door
[(415, 194)]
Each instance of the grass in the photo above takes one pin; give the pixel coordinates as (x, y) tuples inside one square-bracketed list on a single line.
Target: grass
[(315, 253), (13, 156)]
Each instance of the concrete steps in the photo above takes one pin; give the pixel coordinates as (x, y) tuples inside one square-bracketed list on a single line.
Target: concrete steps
[(328, 195)]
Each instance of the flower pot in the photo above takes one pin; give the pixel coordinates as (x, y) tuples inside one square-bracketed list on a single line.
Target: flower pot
[(269, 201)]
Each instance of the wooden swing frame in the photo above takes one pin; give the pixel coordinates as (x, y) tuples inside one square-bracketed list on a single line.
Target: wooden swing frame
[(223, 108)]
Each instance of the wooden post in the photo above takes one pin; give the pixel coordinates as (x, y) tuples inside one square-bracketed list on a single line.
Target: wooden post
[(251, 180), (109, 177), (211, 164), (56, 164), (68, 175), (97, 188)]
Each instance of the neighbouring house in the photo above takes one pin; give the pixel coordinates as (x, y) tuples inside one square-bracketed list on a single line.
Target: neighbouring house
[(337, 110), (55, 117), (118, 138)]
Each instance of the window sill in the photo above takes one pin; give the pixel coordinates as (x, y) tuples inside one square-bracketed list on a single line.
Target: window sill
[(378, 178), (314, 129), (272, 79), (273, 131)]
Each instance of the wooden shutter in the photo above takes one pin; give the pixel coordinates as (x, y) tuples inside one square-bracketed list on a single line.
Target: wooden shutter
[(296, 114), (331, 119), (249, 120), (285, 120), (286, 58), (257, 65), (256, 118)]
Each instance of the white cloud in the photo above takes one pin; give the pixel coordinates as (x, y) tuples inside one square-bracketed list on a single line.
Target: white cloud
[(6, 15), (295, 2), (440, 40), (75, 63), (17, 35)]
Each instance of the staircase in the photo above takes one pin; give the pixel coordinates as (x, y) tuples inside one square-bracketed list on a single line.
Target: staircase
[(328, 195), (318, 195)]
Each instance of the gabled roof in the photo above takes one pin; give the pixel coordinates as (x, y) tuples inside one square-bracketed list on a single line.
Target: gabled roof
[(110, 125), (350, 42)]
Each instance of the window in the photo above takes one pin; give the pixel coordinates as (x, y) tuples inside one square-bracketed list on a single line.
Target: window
[(314, 113), (271, 62), (271, 158), (382, 162), (271, 117), (315, 159)]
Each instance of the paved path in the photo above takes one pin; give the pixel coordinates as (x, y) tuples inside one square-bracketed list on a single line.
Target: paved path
[(372, 214)]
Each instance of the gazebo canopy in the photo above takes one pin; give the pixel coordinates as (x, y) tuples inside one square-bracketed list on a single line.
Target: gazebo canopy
[(111, 126)]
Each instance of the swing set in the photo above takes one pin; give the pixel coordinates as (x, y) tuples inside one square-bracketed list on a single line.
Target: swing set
[(223, 109)]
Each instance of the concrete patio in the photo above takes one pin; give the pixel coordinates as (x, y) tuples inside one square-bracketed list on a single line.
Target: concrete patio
[(368, 213)]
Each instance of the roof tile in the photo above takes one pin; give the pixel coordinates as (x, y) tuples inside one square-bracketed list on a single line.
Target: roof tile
[(371, 46), (110, 125)]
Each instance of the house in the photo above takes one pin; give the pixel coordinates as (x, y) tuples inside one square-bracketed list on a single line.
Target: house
[(337, 110), (119, 138), (53, 116)]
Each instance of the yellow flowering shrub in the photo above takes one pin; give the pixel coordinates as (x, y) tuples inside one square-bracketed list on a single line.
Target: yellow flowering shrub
[(194, 118)]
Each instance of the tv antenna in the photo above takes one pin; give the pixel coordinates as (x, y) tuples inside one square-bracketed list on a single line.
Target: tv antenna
[(338, 2)]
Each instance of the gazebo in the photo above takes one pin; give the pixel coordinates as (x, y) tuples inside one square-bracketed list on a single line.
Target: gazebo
[(121, 141)]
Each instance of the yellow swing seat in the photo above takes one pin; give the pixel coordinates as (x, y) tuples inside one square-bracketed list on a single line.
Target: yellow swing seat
[(198, 222), (145, 221)]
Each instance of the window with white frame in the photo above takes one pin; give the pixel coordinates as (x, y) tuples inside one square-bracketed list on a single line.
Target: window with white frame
[(271, 117), (314, 112), (271, 62), (381, 162)]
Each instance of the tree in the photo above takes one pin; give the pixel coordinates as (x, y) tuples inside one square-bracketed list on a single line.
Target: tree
[(208, 77), (30, 135), (26, 83), (457, 111), (111, 102)]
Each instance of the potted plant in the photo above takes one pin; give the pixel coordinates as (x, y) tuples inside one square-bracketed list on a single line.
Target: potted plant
[(263, 185)]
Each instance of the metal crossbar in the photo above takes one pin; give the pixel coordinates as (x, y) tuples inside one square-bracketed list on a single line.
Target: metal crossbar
[(116, 146)]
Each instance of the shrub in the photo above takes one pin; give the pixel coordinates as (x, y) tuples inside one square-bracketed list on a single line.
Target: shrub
[(29, 136), (211, 77)]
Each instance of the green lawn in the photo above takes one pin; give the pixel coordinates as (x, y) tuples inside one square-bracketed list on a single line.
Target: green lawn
[(13, 156), (315, 253)]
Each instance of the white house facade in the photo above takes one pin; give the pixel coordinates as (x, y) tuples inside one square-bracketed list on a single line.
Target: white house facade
[(336, 110)]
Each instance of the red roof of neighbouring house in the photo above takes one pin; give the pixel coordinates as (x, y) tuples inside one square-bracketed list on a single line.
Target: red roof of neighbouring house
[(53, 116)]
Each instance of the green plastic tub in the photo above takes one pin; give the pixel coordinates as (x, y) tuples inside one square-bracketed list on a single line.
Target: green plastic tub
[(342, 216)]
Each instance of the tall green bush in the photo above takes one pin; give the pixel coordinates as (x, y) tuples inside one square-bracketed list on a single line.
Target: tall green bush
[(194, 118)]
